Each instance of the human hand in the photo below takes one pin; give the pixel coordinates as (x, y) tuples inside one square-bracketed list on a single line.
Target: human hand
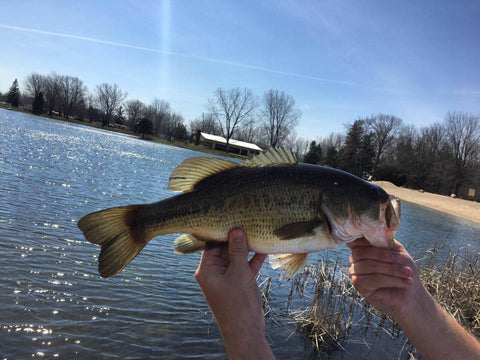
[(228, 282), (387, 278)]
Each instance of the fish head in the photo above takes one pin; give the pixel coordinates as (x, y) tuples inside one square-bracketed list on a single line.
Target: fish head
[(362, 210)]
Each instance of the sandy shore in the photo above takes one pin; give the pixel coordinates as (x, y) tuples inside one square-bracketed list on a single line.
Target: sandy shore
[(465, 209)]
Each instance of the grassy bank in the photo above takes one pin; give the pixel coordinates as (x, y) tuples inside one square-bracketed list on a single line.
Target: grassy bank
[(335, 316), (181, 144)]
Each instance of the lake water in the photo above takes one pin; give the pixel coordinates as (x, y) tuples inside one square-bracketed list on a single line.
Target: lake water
[(53, 303)]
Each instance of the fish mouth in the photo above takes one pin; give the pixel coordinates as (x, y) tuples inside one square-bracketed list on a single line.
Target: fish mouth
[(379, 232), (389, 219), (393, 213)]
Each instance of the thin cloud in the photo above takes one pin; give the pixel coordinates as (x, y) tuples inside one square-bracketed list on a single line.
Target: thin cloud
[(179, 54)]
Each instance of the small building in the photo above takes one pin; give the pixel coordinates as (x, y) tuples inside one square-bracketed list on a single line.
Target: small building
[(219, 143), (469, 192)]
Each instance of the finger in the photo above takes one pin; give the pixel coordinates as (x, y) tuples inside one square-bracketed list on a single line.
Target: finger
[(373, 282), (362, 242), (361, 253), (358, 242), (214, 251), (369, 267), (237, 248), (201, 268), (214, 261), (256, 263), (213, 256)]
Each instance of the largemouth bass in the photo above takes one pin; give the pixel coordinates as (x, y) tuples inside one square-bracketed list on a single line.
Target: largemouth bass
[(287, 209)]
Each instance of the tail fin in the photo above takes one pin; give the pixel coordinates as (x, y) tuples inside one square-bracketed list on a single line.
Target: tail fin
[(120, 236)]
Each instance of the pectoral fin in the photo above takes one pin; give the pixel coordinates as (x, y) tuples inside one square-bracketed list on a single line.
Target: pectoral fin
[(188, 244), (289, 263), (297, 230)]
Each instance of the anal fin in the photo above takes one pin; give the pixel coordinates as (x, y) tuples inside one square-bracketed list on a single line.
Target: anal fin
[(289, 263), (188, 244)]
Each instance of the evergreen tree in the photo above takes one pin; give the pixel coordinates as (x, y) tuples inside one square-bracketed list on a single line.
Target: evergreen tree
[(119, 115), (38, 103), (13, 95), (351, 157), (314, 154), (180, 132), (145, 127), (331, 157), (367, 155)]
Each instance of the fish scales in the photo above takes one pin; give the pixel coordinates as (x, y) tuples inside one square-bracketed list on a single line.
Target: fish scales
[(283, 206), (240, 198)]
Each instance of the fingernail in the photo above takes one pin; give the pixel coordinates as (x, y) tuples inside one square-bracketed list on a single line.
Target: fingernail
[(406, 270), (238, 237)]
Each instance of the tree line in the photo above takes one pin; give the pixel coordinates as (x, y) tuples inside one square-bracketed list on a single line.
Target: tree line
[(443, 157), (232, 113), (67, 96)]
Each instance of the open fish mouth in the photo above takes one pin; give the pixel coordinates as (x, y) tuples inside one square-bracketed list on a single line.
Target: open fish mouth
[(389, 221), (393, 213)]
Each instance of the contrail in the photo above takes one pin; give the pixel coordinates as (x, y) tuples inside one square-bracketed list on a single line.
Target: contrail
[(179, 54)]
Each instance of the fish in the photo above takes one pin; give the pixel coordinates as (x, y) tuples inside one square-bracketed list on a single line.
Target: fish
[(287, 209)]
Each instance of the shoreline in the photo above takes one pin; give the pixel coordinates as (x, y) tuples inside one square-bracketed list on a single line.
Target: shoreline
[(465, 209), (176, 143)]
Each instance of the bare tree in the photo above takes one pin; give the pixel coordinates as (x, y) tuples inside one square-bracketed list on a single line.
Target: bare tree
[(109, 98), (463, 135), (175, 121), (35, 84), (134, 110), (249, 132), (298, 145), (53, 84), (428, 148), (161, 112), (384, 129), (205, 123), (92, 112), (231, 108), (71, 92), (333, 139), (280, 116)]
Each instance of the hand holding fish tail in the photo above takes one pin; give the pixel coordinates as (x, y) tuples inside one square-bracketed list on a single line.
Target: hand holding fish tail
[(228, 282), (390, 281)]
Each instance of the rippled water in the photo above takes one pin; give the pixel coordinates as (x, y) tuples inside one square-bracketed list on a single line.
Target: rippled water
[(53, 302)]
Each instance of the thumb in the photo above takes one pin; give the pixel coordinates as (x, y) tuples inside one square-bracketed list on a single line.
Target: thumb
[(237, 248)]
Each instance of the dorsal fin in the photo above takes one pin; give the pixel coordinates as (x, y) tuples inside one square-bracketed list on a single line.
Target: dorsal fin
[(272, 157), (192, 170)]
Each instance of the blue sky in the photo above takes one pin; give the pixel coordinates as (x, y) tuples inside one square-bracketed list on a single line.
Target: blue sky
[(340, 60)]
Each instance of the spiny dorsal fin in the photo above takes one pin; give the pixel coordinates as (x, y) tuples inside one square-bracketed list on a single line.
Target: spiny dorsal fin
[(192, 170), (272, 157)]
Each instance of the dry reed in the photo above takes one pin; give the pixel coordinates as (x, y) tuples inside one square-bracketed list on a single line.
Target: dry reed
[(337, 313)]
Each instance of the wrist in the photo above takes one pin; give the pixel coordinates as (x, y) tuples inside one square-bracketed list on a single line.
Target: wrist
[(420, 304), (246, 345)]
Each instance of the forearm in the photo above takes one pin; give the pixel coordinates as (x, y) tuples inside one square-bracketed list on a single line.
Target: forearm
[(437, 335), (246, 346)]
